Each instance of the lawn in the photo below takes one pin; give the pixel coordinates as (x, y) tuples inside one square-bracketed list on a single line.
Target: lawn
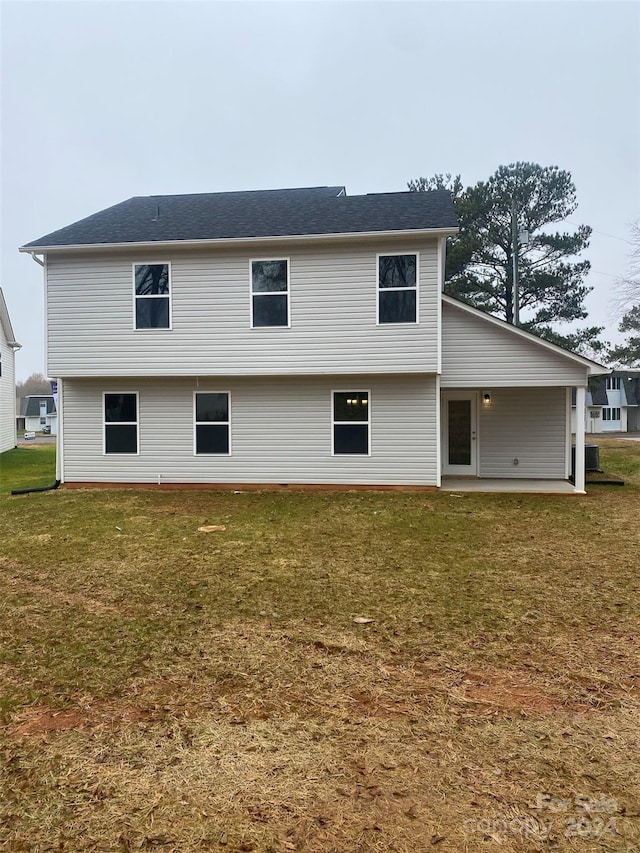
[(169, 689)]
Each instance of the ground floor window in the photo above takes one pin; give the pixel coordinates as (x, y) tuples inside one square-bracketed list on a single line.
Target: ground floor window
[(212, 423), (121, 423), (611, 414), (350, 422)]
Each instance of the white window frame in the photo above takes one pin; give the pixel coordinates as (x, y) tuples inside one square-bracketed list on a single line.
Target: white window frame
[(380, 289), (286, 292), (613, 383), (609, 411), (120, 423), (226, 423), (153, 296), (350, 423)]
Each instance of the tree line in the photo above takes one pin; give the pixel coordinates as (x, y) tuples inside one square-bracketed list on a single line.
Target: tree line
[(519, 211)]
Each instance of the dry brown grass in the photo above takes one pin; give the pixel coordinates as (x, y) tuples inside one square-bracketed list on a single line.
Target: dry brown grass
[(165, 689)]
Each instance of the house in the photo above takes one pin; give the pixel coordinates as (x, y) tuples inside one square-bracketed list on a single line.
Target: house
[(290, 337), (39, 413), (612, 403), (8, 348)]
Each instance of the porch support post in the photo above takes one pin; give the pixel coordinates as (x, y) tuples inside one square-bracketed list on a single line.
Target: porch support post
[(580, 462)]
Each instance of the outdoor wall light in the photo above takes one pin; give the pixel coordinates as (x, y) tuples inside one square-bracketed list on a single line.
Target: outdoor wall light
[(486, 399)]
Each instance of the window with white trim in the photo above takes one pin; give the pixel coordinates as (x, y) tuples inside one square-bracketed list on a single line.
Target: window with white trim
[(611, 413), (121, 423), (350, 423), (269, 293), (613, 383), (397, 288), (152, 287), (212, 423)]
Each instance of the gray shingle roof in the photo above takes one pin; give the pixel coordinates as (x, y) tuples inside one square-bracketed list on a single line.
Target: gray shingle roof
[(260, 213), (631, 384), (597, 386), (597, 389), (30, 406)]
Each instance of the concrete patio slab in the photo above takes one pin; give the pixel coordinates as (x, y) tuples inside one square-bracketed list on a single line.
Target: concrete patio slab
[(540, 487)]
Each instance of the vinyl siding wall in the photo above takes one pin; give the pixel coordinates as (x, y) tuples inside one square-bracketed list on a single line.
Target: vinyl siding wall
[(481, 354), (527, 424), (7, 395), (332, 308), (280, 432)]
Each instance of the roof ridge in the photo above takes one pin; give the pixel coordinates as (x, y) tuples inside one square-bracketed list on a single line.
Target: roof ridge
[(244, 192)]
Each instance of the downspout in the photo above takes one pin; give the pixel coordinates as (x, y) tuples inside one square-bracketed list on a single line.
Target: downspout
[(35, 258), (56, 484), (15, 346)]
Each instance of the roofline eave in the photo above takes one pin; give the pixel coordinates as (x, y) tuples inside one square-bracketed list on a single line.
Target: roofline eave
[(234, 241)]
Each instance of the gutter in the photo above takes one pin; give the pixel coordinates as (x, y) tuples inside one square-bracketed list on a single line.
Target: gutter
[(234, 241)]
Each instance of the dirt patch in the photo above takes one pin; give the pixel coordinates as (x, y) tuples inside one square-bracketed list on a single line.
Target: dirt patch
[(504, 691), (42, 722)]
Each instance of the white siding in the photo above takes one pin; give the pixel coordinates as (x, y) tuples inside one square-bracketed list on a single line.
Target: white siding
[(333, 315), (527, 424), (7, 395), (477, 353), (280, 428), (32, 424)]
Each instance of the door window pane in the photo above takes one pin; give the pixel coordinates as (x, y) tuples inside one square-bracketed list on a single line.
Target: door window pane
[(459, 432)]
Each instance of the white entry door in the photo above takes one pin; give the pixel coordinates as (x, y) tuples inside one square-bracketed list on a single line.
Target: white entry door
[(459, 438)]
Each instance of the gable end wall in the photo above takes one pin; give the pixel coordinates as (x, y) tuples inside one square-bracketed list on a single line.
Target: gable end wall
[(477, 353)]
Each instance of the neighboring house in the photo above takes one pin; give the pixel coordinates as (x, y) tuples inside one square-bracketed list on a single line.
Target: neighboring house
[(8, 347), (612, 403), (290, 337), (39, 413)]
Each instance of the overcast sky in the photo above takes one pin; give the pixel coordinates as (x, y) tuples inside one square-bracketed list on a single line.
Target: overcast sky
[(104, 101)]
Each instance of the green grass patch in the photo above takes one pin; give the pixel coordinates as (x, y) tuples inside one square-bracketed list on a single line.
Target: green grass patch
[(27, 467)]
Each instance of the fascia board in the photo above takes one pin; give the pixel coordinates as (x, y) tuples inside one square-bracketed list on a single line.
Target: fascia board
[(239, 241)]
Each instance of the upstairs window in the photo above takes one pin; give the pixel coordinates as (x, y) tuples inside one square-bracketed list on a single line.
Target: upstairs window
[(212, 424), (269, 293), (350, 422), (613, 383), (152, 283), (397, 288), (120, 423)]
